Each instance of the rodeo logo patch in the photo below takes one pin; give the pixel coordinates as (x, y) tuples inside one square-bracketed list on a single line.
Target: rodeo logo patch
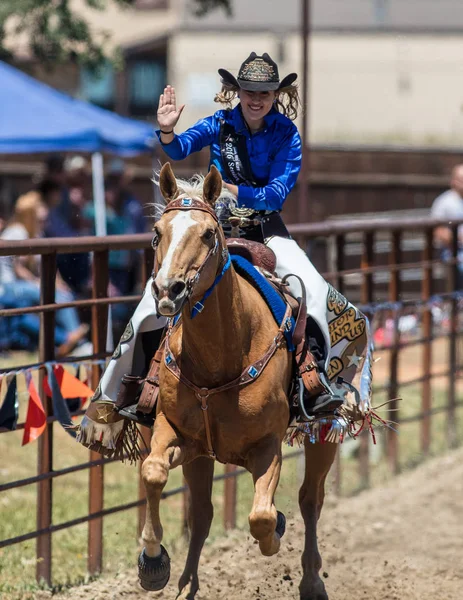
[(335, 367), (346, 327), (335, 301)]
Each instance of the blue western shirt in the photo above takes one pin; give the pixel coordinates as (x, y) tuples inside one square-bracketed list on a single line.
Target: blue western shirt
[(275, 154)]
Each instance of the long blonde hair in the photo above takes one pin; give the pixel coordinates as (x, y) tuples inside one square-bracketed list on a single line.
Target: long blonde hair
[(25, 212), (287, 100)]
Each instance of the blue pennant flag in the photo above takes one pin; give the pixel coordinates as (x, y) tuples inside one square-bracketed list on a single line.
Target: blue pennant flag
[(9, 408), (60, 407)]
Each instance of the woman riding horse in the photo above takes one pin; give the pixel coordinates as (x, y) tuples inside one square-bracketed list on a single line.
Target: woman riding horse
[(258, 151)]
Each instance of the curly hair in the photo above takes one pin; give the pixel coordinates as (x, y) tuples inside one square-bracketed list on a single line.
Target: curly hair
[(287, 100)]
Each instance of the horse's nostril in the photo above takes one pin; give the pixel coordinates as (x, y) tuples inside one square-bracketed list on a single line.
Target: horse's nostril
[(155, 289), (177, 288)]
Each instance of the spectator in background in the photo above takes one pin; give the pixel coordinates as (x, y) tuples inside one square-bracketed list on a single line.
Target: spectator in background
[(65, 220), (77, 179), (20, 285), (449, 206), (120, 261), (121, 177)]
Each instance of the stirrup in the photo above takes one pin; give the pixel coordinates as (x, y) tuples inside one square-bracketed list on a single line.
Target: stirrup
[(328, 403), (131, 413)]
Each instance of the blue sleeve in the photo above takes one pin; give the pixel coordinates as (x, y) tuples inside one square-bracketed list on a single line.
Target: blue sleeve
[(282, 178), (193, 139)]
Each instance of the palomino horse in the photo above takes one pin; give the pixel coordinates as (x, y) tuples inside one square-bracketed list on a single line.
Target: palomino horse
[(238, 424)]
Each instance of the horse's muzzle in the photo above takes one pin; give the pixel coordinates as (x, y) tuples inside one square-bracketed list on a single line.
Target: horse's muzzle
[(170, 296)]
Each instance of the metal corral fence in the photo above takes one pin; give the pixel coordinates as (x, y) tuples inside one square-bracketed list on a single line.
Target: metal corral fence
[(370, 257)]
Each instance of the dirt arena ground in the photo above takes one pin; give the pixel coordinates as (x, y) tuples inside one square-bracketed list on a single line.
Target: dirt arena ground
[(403, 541)]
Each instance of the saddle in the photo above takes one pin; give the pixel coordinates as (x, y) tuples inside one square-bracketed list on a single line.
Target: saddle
[(256, 253), (306, 369)]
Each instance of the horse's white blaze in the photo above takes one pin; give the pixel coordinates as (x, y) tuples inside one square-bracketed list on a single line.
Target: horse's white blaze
[(180, 225)]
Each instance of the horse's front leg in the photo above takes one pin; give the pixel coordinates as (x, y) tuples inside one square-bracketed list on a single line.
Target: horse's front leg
[(318, 460), (199, 475), (266, 525), (166, 453)]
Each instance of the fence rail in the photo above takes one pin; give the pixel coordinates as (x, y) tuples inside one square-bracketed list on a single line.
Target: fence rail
[(364, 264)]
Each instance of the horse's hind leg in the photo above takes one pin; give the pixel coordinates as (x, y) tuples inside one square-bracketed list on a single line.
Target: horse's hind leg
[(199, 475), (166, 453), (264, 462), (318, 460)]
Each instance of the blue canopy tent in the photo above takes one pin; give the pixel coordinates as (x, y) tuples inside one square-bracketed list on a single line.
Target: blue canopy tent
[(37, 118)]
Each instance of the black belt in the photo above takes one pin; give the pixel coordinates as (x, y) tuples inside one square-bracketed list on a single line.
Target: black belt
[(269, 225)]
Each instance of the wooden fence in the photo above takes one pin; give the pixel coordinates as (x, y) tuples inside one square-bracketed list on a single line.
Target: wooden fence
[(384, 292)]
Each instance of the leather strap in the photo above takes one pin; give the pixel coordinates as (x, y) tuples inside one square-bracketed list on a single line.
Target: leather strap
[(128, 391), (150, 391), (249, 375), (191, 204)]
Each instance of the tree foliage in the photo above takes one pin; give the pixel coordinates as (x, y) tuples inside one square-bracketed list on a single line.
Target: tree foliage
[(56, 33)]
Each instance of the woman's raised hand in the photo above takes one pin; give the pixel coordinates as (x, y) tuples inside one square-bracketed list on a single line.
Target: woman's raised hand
[(168, 114)]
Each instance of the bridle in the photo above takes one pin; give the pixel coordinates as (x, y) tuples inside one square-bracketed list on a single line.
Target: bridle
[(186, 204)]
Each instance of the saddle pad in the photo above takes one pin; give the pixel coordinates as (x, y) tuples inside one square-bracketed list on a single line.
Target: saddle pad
[(277, 307)]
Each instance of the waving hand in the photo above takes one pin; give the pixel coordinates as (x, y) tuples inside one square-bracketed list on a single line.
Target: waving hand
[(168, 114)]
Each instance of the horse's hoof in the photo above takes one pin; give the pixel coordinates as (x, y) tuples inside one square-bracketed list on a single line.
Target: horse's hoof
[(154, 573), (281, 524)]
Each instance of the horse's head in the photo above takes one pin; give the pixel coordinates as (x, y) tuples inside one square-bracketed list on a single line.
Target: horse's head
[(189, 242)]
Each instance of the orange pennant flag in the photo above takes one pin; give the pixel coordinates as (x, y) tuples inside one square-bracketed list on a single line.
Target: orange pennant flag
[(36, 419), (70, 386)]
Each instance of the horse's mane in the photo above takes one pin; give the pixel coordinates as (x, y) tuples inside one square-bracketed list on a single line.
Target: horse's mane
[(191, 187)]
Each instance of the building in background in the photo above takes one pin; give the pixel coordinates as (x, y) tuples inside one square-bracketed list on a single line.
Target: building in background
[(381, 71)]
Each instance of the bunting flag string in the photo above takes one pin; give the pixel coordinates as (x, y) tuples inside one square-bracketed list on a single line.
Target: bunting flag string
[(60, 407), (36, 419), (9, 408), (70, 386), (24, 370)]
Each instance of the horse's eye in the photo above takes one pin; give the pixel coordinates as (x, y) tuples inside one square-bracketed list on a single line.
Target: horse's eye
[(207, 235), (156, 238)]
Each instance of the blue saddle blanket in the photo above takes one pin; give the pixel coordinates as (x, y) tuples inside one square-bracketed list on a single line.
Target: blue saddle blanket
[(268, 293)]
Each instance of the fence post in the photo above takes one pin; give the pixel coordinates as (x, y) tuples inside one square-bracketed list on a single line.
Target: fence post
[(229, 509), (426, 293), (453, 284), (367, 298), (96, 474), (395, 258), (45, 441)]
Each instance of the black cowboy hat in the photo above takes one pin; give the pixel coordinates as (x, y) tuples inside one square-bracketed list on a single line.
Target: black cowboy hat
[(257, 74)]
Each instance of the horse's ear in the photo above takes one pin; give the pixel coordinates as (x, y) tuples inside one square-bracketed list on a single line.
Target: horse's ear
[(212, 187), (168, 183)]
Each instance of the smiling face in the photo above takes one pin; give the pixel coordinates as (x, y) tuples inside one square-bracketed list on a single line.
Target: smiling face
[(255, 106)]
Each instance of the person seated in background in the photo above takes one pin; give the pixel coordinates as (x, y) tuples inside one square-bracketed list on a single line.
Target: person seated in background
[(20, 285), (449, 206)]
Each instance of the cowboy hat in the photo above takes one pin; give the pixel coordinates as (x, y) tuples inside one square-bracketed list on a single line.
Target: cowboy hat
[(257, 74)]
